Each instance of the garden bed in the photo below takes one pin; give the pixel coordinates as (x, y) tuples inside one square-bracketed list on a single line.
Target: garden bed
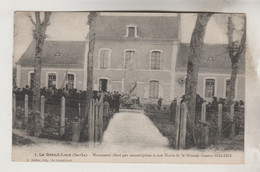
[(19, 140)]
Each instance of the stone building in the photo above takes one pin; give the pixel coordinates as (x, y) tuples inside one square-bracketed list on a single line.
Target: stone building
[(144, 52)]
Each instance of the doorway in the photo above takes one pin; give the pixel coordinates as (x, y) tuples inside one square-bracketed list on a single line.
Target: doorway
[(103, 85)]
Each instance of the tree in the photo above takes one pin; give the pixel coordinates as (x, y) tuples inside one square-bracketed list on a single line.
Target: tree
[(196, 45), (92, 17), (39, 36), (235, 48)]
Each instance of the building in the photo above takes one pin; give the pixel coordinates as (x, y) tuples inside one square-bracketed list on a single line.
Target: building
[(144, 52)]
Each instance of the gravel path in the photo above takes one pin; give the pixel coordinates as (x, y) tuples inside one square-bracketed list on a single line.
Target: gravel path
[(134, 131)]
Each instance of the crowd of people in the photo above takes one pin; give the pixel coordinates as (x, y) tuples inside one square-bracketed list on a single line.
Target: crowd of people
[(212, 106), (72, 96)]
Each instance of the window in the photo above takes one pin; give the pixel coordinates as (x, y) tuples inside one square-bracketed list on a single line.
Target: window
[(104, 59), (129, 55), (155, 60), (154, 89), (70, 81), (103, 85), (31, 80), (131, 31), (210, 88), (51, 80)]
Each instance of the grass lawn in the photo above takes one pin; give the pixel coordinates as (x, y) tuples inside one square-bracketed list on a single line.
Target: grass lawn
[(167, 129), (163, 123)]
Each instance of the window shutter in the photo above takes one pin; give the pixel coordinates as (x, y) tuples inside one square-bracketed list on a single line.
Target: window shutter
[(160, 90), (148, 65), (162, 61), (106, 59), (146, 91), (109, 85)]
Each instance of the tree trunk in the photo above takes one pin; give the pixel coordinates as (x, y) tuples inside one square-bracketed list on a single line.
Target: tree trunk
[(231, 89), (196, 45), (92, 25), (235, 51), (36, 88), (39, 37)]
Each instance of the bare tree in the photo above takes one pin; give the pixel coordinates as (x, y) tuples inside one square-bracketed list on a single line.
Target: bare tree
[(196, 45), (92, 25), (235, 48), (39, 36)]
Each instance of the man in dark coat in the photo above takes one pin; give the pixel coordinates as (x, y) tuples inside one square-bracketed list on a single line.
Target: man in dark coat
[(117, 101), (159, 103), (173, 110)]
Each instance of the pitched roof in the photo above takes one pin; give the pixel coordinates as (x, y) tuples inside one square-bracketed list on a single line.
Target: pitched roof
[(215, 58), (62, 53), (148, 27)]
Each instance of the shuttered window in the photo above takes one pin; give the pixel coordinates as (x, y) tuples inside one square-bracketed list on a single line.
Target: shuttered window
[(52, 80), (155, 60), (129, 55), (210, 88), (104, 59), (70, 81), (154, 90)]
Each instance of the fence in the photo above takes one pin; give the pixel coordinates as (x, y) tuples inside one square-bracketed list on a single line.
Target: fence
[(204, 126), (61, 118)]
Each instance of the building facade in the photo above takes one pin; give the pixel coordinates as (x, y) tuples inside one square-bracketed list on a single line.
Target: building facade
[(144, 52)]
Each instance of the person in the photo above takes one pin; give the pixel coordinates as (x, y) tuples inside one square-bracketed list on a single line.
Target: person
[(105, 108), (159, 103), (95, 95), (173, 110), (214, 104), (117, 102), (138, 101)]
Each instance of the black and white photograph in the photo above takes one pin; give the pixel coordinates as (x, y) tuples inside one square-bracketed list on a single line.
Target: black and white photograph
[(129, 87)]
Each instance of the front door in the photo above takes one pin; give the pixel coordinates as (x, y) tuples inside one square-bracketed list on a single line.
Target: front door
[(103, 85)]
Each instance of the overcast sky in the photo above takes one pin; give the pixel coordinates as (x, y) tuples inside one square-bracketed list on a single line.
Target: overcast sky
[(73, 26)]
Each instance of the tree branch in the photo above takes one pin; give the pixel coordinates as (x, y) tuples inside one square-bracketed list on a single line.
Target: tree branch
[(31, 19), (243, 39), (37, 19), (46, 19)]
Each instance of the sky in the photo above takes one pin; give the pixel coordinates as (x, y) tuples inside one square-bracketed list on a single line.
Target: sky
[(73, 26), (63, 26)]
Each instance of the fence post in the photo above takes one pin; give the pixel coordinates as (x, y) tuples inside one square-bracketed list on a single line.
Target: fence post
[(184, 113), (232, 114), (101, 112), (220, 113), (26, 110), (91, 121), (203, 112), (75, 131), (79, 111), (42, 111), (177, 125), (96, 121), (205, 128), (62, 119), (14, 109)]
